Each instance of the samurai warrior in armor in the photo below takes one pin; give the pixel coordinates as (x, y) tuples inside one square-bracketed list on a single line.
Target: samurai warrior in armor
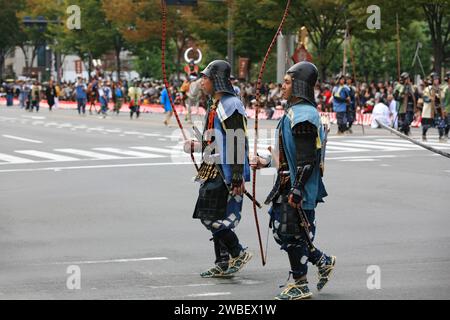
[(224, 170), (406, 102), (299, 187)]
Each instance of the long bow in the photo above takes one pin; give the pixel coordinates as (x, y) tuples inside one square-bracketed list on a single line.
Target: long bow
[(258, 96), (166, 83)]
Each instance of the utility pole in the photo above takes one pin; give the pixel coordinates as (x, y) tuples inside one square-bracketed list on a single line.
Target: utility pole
[(230, 37), (398, 46)]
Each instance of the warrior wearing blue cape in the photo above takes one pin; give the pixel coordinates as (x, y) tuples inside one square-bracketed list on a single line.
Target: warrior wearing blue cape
[(222, 178), (299, 187)]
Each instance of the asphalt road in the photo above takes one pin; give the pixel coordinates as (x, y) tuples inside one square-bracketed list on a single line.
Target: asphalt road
[(114, 198)]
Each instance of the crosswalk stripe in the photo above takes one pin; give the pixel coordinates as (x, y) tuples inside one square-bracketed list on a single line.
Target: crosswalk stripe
[(130, 153), (90, 154), (401, 144), (12, 159), (347, 146), (46, 155), (437, 145), (334, 149), (21, 139), (342, 146), (160, 150), (365, 146), (386, 145)]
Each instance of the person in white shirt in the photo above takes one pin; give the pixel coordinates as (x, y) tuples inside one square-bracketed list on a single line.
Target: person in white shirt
[(381, 113), (393, 109)]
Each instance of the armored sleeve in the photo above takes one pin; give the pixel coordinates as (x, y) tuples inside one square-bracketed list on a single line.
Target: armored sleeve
[(305, 137), (236, 122)]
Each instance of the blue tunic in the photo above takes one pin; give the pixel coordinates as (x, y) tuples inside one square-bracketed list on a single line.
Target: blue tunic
[(165, 101), (314, 190), (340, 94)]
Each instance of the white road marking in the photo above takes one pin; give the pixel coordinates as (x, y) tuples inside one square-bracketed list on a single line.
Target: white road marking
[(111, 261), (350, 137), (360, 160), (34, 117), (436, 145), (99, 167), (95, 129), (391, 142), (13, 159), (21, 139), (403, 146), (209, 294), (183, 285), (129, 153), (91, 154), (151, 134), (46, 155), (160, 150), (335, 149), (48, 124), (364, 146), (360, 157)]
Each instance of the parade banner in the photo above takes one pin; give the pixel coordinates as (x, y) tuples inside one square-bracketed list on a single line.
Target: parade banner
[(243, 68)]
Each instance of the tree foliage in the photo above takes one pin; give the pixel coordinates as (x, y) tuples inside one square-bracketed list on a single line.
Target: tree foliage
[(114, 25)]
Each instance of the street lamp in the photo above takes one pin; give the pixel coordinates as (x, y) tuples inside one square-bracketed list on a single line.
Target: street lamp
[(41, 23)]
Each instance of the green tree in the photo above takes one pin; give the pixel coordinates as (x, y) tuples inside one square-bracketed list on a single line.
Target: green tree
[(10, 27), (35, 34), (92, 40), (437, 14)]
